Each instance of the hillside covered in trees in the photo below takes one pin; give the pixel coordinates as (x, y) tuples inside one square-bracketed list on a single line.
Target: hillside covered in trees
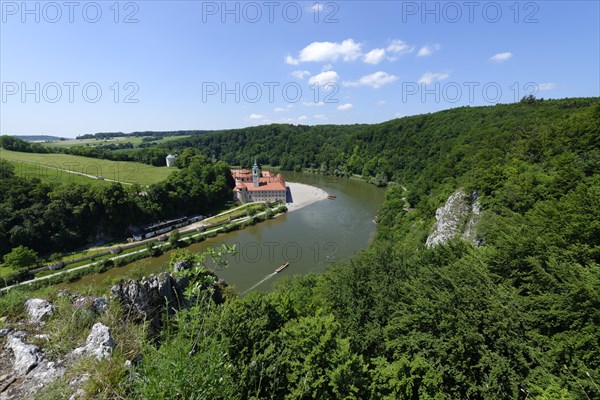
[(515, 316), (518, 317)]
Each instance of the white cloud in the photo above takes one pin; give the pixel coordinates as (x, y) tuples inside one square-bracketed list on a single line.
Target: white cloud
[(327, 67), (257, 116), (324, 77), (320, 116), (302, 118), (312, 104), (381, 102), (399, 115), (546, 86), (281, 109), (501, 57), (399, 47), (429, 77), (375, 56), (345, 107), (427, 50), (291, 60), (348, 50), (376, 80), (300, 74)]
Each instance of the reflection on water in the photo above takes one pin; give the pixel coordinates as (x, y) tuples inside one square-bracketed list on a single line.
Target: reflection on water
[(309, 239)]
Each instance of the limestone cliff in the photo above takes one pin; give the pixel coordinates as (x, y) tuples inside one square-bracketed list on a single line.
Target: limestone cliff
[(457, 218)]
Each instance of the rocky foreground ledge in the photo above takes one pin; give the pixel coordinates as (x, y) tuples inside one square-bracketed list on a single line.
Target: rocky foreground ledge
[(26, 366)]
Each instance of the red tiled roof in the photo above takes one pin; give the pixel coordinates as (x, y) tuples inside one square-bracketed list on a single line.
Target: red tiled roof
[(266, 182), (276, 183)]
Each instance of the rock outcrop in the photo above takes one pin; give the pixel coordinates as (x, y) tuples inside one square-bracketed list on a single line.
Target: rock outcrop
[(38, 310), (27, 356), (149, 298), (146, 299), (457, 218), (99, 343), (29, 373), (470, 232)]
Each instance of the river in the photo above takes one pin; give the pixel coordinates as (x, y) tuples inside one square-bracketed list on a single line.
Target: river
[(310, 238)]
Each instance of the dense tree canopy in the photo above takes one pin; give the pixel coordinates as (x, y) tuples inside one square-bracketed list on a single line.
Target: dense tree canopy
[(517, 318)]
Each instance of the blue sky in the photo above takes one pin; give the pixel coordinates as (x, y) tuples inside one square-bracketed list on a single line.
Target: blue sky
[(156, 65)]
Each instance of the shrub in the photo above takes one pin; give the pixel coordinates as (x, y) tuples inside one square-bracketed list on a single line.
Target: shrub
[(21, 257), (174, 238)]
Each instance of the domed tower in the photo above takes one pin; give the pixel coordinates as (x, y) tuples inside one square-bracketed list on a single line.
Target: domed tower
[(255, 175)]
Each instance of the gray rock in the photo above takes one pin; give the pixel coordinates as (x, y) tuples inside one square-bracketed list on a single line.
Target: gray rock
[(79, 394), (77, 383), (181, 265), (470, 233), (4, 332), (79, 380), (99, 343), (19, 334), (144, 300), (100, 304), (30, 371), (38, 310), (27, 356), (26, 387), (457, 218), (44, 373)]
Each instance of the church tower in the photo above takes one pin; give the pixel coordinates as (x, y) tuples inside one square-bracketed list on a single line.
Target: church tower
[(255, 175)]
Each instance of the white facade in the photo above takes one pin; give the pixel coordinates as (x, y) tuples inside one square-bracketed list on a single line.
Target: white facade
[(171, 160)]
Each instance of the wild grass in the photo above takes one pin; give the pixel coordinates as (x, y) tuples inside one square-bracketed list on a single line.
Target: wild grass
[(12, 303)]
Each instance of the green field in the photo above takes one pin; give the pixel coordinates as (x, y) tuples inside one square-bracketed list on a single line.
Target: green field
[(50, 175), (50, 164), (136, 141)]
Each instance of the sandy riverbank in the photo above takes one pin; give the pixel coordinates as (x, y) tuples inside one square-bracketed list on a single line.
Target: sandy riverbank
[(304, 195)]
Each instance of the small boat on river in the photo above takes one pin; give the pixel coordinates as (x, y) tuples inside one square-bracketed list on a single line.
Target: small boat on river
[(284, 266)]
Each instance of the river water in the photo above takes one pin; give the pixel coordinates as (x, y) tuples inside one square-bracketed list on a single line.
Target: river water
[(309, 239)]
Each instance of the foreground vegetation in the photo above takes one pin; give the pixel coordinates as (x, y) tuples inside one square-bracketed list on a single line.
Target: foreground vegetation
[(518, 317)]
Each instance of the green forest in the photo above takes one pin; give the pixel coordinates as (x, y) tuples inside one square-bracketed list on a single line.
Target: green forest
[(55, 217), (517, 317)]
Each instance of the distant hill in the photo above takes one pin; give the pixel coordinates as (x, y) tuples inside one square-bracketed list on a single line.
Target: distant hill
[(38, 138), (110, 135)]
